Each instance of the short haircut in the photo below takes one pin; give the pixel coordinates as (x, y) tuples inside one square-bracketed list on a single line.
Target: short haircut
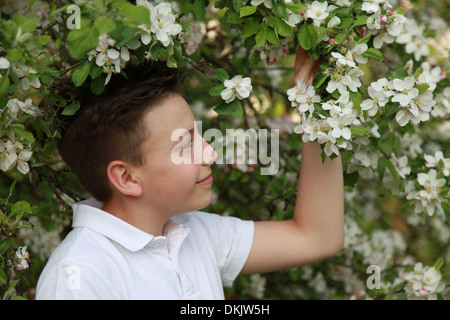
[(110, 126)]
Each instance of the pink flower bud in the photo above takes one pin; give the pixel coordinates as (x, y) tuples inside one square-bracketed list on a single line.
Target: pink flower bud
[(19, 267), (442, 75), (331, 41), (383, 19)]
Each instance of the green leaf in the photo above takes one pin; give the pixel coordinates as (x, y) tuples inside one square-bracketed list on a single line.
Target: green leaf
[(282, 28), (271, 35), (373, 54), (446, 206), (360, 20), (251, 26), (389, 110), (217, 90), (138, 14), (104, 25), (20, 131), (20, 207), (234, 107), (321, 80), (5, 245), (260, 38), (98, 84), (418, 72), (3, 278), (220, 75), (307, 37), (4, 85), (247, 11), (296, 7), (438, 263), (359, 131), (422, 87), (81, 41), (356, 99), (200, 9), (381, 167), (81, 73), (71, 109), (280, 9)]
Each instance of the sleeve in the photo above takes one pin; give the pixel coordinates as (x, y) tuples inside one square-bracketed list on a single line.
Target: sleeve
[(231, 239)]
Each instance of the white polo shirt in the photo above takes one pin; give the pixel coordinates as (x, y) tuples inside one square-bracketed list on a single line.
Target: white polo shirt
[(104, 257)]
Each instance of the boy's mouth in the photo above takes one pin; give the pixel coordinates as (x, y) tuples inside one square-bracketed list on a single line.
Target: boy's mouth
[(206, 181)]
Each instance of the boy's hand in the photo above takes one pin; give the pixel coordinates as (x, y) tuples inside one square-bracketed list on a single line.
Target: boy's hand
[(305, 67)]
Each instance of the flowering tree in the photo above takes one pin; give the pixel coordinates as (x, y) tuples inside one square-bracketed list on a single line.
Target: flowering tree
[(381, 100)]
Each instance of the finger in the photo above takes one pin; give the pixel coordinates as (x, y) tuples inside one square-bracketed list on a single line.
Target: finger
[(314, 71), (303, 65), (305, 70)]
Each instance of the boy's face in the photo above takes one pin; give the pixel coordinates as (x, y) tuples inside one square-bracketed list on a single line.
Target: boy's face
[(169, 187)]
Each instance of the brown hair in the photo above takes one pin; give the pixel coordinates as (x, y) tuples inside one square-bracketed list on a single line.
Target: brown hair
[(109, 126)]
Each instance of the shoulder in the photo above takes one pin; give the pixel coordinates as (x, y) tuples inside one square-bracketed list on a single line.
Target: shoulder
[(83, 255), (216, 227), (84, 247), (201, 218)]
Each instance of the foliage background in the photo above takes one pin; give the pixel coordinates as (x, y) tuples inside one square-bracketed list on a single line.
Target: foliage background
[(382, 228)]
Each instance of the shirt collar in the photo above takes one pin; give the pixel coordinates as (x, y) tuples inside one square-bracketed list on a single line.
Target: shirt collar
[(88, 214)]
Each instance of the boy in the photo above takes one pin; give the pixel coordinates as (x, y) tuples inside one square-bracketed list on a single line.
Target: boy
[(143, 238)]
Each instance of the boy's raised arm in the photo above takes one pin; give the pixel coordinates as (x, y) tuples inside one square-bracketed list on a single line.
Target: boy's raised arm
[(317, 229)]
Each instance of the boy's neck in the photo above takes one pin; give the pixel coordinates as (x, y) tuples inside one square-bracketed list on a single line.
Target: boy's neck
[(138, 215)]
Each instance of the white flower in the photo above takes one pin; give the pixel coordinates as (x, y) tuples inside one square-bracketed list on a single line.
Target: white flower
[(401, 164), (428, 198), (267, 3), (415, 42), (371, 6), (23, 255), (405, 90), (236, 87), (336, 83), (378, 99), (351, 79), (340, 126), (164, 25), (22, 165), (442, 106), (396, 24), (434, 162), (4, 63), (423, 282), (383, 85), (344, 60), (8, 155), (335, 21), (23, 72), (295, 92), (318, 12), (303, 97)]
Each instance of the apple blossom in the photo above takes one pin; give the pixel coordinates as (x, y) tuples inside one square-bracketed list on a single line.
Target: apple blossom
[(238, 86)]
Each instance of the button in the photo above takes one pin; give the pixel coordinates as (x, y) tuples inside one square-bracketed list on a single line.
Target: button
[(155, 244)]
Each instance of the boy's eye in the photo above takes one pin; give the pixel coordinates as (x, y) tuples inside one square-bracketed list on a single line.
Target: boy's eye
[(188, 144)]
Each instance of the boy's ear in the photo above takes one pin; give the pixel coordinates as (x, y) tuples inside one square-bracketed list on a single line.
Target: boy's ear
[(121, 177)]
